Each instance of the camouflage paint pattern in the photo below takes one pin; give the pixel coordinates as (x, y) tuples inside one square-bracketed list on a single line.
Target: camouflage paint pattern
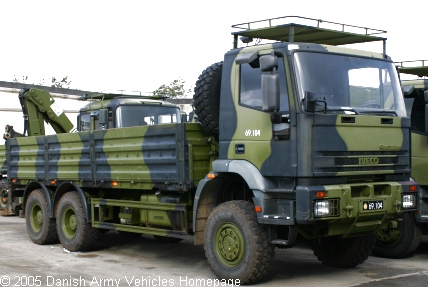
[(169, 158), (322, 151), (143, 157)]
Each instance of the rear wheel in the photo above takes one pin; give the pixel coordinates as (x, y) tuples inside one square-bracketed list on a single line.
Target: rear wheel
[(3, 194), (74, 231), (40, 228), (236, 245), (400, 239), (343, 252)]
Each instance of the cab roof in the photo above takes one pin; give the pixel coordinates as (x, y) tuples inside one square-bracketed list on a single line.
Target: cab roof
[(105, 100)]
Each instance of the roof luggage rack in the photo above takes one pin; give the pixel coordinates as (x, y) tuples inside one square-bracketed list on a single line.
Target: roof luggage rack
[(108, 96), (296, 32), (416, 67)]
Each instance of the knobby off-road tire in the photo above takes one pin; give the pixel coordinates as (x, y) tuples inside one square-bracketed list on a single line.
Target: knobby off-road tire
[(206, 99), (3, 194), (399, 240), (236, 246), (40, 228), (75, 233), (343, 252)]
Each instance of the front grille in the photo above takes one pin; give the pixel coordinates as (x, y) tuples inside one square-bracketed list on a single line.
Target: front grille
[(357, 161), (354, 163)]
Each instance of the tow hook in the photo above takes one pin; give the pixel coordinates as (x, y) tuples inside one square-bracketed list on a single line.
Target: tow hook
[(348, 210), (397, 205)]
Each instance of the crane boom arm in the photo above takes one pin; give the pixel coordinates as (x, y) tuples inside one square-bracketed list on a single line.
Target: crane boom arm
[(39, 106)]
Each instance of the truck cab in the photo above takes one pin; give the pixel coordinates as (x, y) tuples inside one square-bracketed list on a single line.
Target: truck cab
[(317, 134), (107, 111)]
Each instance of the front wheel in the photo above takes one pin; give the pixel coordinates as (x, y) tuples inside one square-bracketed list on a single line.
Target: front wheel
[(40, 228), (236, 245), (74, 231), (343, 252), (400, 239)]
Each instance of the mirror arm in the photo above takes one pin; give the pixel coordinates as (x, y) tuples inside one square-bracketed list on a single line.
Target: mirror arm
[(276, 117)]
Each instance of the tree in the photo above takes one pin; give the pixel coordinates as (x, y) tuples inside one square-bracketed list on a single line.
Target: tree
[(63, 83), (175, 90)]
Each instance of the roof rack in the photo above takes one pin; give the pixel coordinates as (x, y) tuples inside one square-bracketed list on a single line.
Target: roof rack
[(108, 96), (294, 32), (416, 67)]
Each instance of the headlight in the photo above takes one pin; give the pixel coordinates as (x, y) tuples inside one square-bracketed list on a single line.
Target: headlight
[(409, 201), (327, 207), (321, 208)]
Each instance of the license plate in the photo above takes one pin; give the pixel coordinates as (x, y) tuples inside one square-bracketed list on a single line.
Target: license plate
[(373, 205)]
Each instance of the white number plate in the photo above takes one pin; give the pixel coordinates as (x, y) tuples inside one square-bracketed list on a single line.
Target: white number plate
[(373, 205)]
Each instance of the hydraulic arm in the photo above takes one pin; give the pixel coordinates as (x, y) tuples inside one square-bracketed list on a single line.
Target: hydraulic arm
[(39, 106)]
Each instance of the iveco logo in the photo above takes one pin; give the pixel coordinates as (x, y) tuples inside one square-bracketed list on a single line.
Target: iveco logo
[(389, 147), (368, 160)]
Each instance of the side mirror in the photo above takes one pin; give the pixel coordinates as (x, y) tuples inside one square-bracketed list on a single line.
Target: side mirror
[(407, 90), (103, 117), (270, 83), (426, 110), (268, 63), (79, 122), (270, 92), (311, 101)]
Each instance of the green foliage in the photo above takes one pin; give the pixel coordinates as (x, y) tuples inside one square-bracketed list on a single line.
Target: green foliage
[(24, 79), (54, 82), (175, 90), (64, 83)]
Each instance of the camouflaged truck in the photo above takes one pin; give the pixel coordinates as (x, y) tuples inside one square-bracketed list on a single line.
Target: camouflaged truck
[(403, 234), (297, 139)]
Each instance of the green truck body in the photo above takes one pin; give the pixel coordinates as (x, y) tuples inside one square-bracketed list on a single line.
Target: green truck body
[(404, 235), (292, 143)]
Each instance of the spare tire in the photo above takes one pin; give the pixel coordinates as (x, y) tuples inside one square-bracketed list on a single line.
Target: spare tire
[(206, 99)]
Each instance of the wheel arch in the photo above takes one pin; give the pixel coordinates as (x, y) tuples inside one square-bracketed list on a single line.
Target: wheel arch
[(231, 176), (33, 185), (67, 186)]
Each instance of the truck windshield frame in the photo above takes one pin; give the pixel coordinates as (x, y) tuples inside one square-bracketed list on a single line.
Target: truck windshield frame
[(142, 115), (349, 84)]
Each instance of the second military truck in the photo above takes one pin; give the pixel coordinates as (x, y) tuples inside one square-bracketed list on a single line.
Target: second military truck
[(295, 140), (404, 233)]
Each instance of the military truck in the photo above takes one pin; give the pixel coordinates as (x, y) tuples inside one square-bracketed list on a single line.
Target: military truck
[(297, 139), (403, 234)]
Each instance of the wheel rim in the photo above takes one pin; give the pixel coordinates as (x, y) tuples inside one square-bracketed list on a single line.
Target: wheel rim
[(3, 199), (36, 217), (390, 235), (229, 244), (69, 222)]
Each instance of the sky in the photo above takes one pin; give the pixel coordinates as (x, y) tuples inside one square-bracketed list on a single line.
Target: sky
[(136, 46)]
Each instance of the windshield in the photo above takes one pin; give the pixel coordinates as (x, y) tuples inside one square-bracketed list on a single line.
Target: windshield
[(349, 83), (136, 115)]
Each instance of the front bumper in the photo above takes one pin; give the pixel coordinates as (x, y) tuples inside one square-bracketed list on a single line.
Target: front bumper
[(346, 208)]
